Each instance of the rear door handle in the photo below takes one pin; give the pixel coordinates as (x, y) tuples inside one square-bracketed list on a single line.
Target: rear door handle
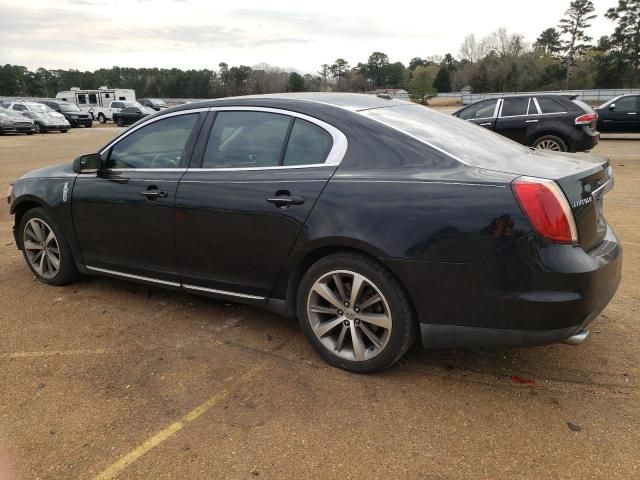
[(632, 113), (284, 200), (485, 124), (531, 121), (153, 193)]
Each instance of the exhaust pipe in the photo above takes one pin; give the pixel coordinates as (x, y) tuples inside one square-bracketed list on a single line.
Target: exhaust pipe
[(578, 338)]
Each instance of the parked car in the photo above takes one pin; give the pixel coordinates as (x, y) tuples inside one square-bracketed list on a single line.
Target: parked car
[(44, 118), (13, 122), (130, 115), (156, 104), (373, 221), (71, 112), (550, 122), (620, 114)]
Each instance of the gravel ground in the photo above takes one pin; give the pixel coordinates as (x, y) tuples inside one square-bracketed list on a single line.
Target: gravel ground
[(105, 377)]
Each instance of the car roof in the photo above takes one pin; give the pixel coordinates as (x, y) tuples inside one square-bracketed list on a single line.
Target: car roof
[(349, 101)]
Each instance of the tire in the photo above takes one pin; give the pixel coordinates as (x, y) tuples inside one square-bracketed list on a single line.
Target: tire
[(332, 331), (550, 142), (64, 131), (88, 125), (44, 269), (120, 122), (102, 118), (37, 128), (29, 133)]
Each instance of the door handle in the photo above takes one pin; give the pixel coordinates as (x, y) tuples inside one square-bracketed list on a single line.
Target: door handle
[(632, 113), (531, 121), (284, 199), (153, 193), (485, 124)]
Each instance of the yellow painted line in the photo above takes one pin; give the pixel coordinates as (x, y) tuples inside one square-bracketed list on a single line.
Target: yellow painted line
[(126, 460), (51, 353)]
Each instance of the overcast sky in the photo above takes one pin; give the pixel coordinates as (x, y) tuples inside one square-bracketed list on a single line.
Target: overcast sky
[(90, 34)]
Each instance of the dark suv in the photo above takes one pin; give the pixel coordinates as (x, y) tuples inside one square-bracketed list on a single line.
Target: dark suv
[(71, 112), (551, 122)]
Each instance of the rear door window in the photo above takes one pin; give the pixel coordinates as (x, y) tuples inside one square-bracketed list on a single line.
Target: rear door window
[(514, 106), (246, 139), (549, 105)]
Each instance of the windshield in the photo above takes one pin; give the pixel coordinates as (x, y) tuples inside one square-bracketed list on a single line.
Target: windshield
[(9, 113), (132, 104), (68, 107), (463, 140), (39, 108), (157, 102)]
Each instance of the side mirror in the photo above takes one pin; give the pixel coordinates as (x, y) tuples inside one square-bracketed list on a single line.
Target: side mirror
[(89, 163), (612, 107)]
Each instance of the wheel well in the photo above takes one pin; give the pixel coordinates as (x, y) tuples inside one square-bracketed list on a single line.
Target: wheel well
[(312, 257), (20, 210), (555, 134)]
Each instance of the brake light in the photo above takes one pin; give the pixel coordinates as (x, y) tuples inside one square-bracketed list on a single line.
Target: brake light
[(587, 118), (547, 208)]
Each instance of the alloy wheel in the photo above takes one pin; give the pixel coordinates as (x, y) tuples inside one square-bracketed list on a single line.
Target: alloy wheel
[(41, 248), (549, 145), (349, 315)]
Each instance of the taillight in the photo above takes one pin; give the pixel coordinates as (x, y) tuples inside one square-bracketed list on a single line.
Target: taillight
[(547, 208), (587, 118)]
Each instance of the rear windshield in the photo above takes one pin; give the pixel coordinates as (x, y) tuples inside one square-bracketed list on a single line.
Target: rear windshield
[(585, 106), (469, 143)]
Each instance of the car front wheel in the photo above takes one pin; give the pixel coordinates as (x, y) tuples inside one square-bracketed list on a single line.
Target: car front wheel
[(102, 118), (120, 122), (45, 248), (355, 313)]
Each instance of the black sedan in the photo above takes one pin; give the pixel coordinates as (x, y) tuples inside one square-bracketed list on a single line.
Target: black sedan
[(130, 115), (374, 221), (156, 104), (620, 114), (544, 121)]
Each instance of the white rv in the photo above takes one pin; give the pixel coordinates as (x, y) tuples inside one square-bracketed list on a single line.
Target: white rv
[(101, 103)]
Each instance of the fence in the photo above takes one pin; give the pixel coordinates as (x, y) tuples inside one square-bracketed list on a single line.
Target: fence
[(600, 95)]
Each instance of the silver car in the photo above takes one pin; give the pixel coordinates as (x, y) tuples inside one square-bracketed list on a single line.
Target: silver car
[(13, 122), (44, 118)]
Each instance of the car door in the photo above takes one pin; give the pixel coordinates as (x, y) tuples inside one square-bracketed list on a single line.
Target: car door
[(482, 113), (240, 208), (513, 120), (621, 115), (123, 214)]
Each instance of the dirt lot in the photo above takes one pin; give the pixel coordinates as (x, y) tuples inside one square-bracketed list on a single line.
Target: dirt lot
[(105, 377)]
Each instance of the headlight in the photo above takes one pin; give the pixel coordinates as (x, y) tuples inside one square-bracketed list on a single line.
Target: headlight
[(74, 116), (6, 122)]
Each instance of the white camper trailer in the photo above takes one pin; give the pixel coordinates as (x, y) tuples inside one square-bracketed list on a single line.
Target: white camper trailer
[(101, 103)]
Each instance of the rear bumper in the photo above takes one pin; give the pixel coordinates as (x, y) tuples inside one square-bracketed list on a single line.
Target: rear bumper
[(584, 139), (528, 293)]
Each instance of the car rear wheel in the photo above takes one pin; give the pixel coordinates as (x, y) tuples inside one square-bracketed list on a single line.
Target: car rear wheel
[(550, 142), (102, 118), (355, 313), (45, 248)]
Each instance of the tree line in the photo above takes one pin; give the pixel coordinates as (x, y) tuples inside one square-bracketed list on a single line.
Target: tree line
[(564, 56)]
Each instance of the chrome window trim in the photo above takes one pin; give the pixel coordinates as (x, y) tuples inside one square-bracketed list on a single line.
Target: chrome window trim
[(532, 100), (335, 156)]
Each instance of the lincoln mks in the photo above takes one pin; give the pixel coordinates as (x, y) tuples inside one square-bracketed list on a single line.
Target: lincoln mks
[(374, 221)]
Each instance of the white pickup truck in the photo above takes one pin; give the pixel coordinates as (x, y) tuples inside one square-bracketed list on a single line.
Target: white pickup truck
[(102, 114)]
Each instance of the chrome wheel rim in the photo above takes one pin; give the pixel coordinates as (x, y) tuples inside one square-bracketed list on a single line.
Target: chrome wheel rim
[(349, 315), (549, 145), (41, 248)]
